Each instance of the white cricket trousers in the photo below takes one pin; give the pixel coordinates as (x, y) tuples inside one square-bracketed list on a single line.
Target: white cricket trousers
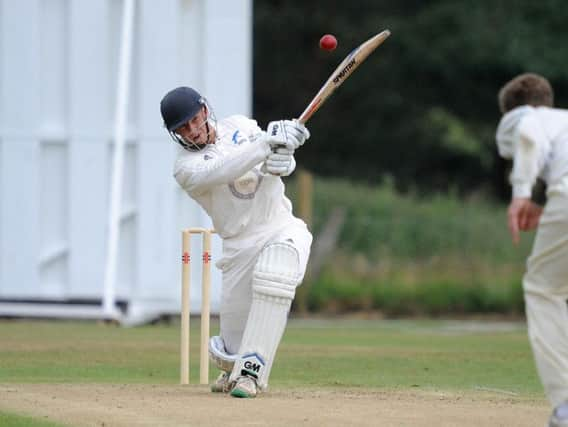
[(546, 292), (238, 263)]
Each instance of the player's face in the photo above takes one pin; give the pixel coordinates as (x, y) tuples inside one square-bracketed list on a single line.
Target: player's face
[(195, 130)]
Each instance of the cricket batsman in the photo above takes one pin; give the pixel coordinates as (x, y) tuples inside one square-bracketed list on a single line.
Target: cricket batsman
[(234, 170), (535, 136)]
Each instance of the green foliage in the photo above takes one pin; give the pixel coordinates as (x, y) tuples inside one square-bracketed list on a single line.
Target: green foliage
[(381, 222), (412, 255), (334, 295), (422, 109)]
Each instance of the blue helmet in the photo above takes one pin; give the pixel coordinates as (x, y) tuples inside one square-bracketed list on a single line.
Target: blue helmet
[(179, 106)]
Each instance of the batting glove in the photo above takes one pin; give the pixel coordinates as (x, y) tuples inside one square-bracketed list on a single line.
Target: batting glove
[(287, 133)]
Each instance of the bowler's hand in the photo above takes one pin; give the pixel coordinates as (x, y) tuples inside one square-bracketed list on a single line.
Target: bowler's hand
[(522, 215)]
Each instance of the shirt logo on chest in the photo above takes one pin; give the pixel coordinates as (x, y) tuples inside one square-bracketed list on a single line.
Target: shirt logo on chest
[(237, 138), (247, 185)]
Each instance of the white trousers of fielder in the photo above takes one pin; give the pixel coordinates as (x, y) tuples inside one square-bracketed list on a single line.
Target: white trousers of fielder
[(546, 292)]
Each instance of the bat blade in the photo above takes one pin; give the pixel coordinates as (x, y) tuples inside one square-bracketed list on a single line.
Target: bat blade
[(342, 72)]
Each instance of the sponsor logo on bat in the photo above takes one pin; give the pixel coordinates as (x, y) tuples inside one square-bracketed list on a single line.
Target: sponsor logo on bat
[(344, 71)]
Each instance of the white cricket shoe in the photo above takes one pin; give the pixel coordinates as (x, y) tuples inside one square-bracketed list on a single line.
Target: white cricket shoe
[(245, 386), (222, 383), (559, 417), (555, 421)]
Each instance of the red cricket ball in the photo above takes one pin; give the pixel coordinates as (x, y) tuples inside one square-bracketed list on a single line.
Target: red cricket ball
[(328, 42)]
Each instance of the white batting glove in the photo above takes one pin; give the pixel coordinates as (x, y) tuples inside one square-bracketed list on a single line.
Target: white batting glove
[(280, 162), (287, 133)]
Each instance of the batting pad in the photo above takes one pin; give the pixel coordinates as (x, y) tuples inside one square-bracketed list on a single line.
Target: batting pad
[(219, 355), (277, 271), (275, 277)]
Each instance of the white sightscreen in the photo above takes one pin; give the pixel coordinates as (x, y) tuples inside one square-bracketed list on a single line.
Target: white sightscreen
[(58, 76)]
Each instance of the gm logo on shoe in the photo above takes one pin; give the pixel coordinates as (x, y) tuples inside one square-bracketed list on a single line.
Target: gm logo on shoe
[(255, 367)]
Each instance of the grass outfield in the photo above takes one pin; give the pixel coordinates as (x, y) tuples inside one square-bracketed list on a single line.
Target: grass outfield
[(16, 420), (319, 353), (401, 355)]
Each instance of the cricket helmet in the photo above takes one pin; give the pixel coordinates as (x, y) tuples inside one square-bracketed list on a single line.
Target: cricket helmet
[(179, 106)]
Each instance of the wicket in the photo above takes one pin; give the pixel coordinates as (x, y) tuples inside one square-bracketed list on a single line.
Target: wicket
[(185, 304)]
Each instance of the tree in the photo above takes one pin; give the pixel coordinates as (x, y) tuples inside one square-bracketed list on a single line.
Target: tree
[(422, 109)]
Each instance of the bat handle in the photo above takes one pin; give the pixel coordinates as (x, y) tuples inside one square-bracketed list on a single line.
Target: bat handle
[(303, 119)]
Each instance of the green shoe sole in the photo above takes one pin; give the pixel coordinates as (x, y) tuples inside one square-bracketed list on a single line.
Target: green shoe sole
[(240, 393)]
